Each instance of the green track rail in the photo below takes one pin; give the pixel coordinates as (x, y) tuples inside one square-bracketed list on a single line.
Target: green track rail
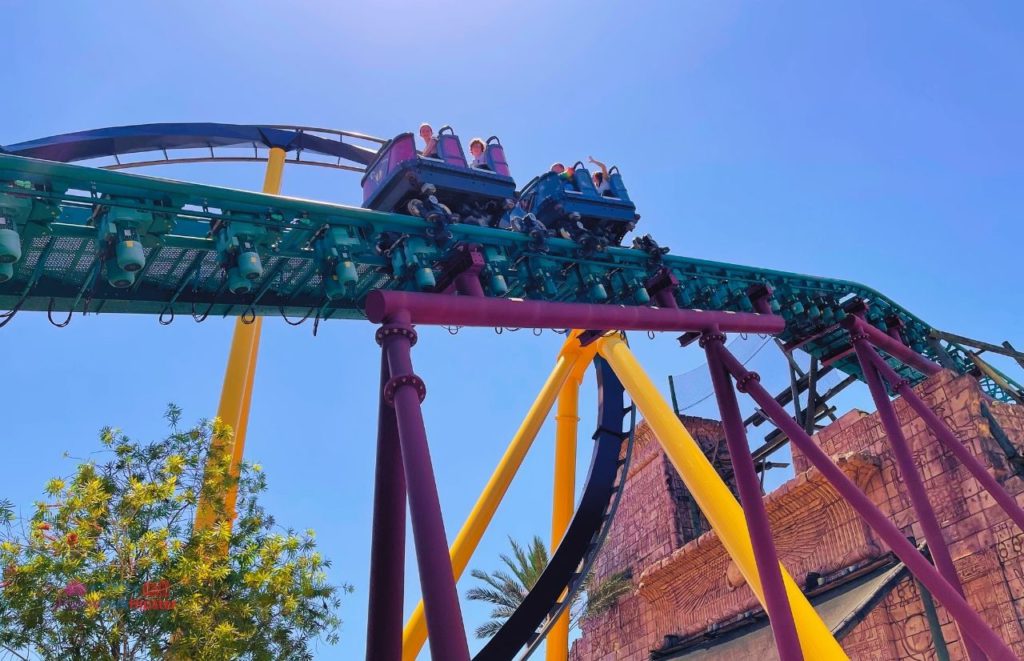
[(57, 209)]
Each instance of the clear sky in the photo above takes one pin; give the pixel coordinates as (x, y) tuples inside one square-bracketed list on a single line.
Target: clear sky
[(878, 142)]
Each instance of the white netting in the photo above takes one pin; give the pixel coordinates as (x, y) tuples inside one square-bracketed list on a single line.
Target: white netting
[(694, 394)]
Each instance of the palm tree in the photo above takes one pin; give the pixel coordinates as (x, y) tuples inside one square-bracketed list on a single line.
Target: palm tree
[(506, 588)]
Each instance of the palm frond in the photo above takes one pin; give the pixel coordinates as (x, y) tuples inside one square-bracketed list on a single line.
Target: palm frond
[(505, 588), (498, 580), (488, 629), (491, 597), (602, 595)]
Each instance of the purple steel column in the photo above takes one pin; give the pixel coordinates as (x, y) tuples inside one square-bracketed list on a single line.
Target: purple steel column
[(387, 554), (894, 348), (911, 477), (776, 601), (468, 284), (440, 598), (970, 622), (952, 443)]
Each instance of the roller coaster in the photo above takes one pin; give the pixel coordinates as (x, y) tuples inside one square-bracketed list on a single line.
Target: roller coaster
[(443, 242)]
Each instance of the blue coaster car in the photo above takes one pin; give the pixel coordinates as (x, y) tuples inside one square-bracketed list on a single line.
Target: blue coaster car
[(442, 187), (573, 208)]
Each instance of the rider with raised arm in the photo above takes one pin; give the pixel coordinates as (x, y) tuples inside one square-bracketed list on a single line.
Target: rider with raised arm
[(601, 180)]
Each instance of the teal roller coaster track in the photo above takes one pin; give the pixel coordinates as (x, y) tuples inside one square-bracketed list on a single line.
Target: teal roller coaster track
[(321, 260)]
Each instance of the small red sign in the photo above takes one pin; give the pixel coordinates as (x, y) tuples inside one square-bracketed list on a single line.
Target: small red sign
[(156, 595)]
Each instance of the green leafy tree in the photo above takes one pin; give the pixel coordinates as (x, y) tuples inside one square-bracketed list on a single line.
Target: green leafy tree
[(108, 566), (506, 588)]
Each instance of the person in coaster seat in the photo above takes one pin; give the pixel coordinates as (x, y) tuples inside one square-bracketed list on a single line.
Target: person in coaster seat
[(476, 149), (564, 173), (429, 141), (602, 181)]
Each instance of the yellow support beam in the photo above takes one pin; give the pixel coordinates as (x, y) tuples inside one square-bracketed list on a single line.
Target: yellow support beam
[(415, 634), (993, 374), (567, 421), (713, 496), (236, 394)]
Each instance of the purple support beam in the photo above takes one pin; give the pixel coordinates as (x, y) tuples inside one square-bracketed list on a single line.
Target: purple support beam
[(473, 311), (776, 602), (952, 443), (760, 296), (406, 390), (893, 324), (662, 288), (460, 272), (387, 554), (969, 621), (911, 477), (468, 284), (894, 348)]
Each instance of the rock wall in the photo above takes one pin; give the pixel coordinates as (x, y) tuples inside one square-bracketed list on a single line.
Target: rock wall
[(684, 582)]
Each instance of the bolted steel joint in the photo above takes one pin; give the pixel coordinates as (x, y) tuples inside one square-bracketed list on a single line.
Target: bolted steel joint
[(397, 382), (385, 332), (708, 338), (741, 383), (858, 336)]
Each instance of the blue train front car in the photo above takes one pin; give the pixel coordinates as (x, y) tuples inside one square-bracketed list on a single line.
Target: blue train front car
[(400, 180)]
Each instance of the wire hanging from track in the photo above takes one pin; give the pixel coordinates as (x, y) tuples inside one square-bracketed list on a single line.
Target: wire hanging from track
[(316, 321), (201, 318), (160, 319), (6, 317), (198, 285), (49, 315), (288, 321)]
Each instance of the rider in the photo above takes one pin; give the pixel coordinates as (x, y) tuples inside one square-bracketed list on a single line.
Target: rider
[(564, 173), (476, 149), (429, 141), (601, 180)]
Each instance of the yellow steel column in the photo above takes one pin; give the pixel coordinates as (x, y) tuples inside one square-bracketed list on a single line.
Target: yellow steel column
[(713, 496), (566, 427), (993, 374), (236, 394), (487, 504)]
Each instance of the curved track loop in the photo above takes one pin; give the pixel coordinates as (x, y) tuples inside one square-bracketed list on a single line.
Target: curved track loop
[(117, 141), (579, 579), (576, 553)]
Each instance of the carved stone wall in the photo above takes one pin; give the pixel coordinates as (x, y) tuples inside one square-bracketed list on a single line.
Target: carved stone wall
[(683, 584)]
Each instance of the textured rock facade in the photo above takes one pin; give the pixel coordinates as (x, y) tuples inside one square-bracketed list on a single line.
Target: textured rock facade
[(684, 582)]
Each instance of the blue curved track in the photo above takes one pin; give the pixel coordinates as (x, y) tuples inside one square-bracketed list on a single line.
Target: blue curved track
[(121, 140)]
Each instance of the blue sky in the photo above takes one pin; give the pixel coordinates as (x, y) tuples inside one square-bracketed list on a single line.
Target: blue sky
[(876, 142)]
